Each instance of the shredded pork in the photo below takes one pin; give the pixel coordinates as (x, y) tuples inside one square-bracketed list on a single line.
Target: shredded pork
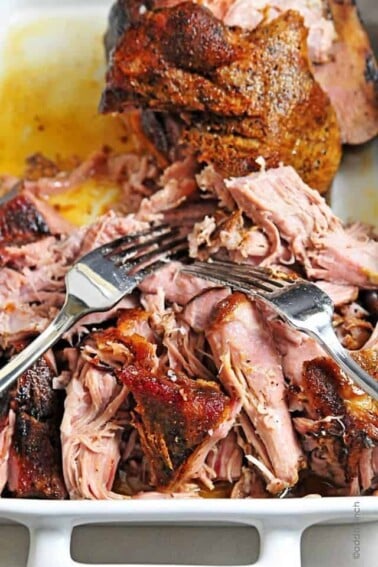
[(186, 356), (186, 389)]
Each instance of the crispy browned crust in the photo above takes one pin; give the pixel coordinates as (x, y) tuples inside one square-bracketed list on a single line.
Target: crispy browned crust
[(21, 222), (241, 95), (351, 78), (35, 452), (368, 359), (174, 417), (328, 393)]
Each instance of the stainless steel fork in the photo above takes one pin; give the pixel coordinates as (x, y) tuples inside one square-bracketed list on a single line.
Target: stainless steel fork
[(303, 305), (97, 282)]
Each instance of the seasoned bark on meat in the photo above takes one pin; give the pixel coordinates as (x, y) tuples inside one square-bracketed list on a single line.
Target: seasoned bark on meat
[(179, 420), (244, 94), (368, 359), (248, 14), (175, 417), (21, 221), (25, 218), (250, 370), (340, 423), (122, 15), (34, 465)]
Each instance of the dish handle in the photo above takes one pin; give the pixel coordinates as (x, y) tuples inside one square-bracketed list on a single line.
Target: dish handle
[(51, 545), (280, 545)]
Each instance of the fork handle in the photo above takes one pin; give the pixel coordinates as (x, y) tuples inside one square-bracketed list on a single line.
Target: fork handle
[(328, 338), (72, 310)]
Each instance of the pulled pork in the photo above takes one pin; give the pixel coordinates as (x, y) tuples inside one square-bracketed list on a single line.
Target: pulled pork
[(184, 388)]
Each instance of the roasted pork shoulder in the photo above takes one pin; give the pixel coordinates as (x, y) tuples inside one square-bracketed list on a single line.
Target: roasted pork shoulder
[(239, 95)]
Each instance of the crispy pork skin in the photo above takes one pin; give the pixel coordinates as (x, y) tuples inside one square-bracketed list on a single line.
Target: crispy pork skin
[(250, 370), (34, 463), (24, 219), (242, 94), (21, 222), (178, 419), (340, 423)]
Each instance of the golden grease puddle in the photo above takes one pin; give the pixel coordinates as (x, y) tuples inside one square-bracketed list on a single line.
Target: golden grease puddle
[(50, 85), (81, 205)]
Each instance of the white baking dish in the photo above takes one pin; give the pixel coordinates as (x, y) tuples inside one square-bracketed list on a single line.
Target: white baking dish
[(280, 522)]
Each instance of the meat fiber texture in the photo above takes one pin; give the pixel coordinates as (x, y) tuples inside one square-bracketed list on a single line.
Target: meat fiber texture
[(186, 388)]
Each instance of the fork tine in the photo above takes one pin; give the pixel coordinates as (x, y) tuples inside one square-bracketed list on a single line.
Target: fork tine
[(141, 273), (168, 249), (242, 276), (152, 233), (219, 280), (225, 277), (123, 254), (247, 270)]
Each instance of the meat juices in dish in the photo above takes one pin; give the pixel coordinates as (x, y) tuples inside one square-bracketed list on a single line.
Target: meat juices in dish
[(241, 95)]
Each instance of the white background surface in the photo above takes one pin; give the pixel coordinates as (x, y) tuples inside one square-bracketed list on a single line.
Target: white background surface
[(323, 546)]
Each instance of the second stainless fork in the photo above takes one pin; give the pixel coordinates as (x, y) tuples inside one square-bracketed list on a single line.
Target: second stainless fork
[(302, 304)]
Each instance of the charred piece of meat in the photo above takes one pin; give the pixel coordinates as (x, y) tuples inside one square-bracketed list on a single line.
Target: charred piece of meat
[(178, 419), (340, 426), (34, 464)]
